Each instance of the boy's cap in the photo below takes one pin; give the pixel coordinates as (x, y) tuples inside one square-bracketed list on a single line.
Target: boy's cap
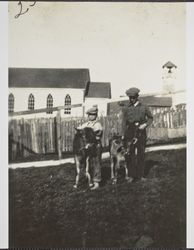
[(92, 111)]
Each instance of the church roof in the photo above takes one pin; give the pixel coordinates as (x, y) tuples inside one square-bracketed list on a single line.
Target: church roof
[(169, 65), (99, 90), (154, 101), (150, 101), (48, 78)]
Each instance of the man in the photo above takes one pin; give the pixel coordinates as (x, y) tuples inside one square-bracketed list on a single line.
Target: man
[(95, 162), (138, 116)]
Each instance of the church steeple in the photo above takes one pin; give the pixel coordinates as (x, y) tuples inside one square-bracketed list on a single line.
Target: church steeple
[(169, 77)]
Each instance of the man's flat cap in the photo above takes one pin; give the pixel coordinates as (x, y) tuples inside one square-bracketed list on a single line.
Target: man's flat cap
[(92, 111), (132, 92)]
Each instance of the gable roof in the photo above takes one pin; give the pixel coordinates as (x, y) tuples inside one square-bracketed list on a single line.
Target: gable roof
[(150, 101), (48, 78), (169, 65), (153, 101), (99, 90)]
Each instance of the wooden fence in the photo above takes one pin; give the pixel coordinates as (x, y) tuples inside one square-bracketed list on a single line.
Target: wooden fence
[(55, 135)]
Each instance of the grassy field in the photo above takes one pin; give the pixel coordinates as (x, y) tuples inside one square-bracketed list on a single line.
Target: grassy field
[(45, 211)]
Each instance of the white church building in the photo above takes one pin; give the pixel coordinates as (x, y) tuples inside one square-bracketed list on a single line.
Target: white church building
[(37, 88)]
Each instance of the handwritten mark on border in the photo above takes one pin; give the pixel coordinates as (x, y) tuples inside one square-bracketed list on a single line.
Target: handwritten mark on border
[(22, 11)]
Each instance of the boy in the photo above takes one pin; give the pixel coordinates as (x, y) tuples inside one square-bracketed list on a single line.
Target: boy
[(97, 128)]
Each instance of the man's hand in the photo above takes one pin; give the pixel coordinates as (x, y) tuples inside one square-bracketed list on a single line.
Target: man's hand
[(142, 126), (87, 146)]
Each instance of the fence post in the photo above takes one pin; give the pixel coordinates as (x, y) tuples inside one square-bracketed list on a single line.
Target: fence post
[(59, 144)]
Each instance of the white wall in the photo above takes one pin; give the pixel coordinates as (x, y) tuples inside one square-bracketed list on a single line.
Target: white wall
[(40, 94)]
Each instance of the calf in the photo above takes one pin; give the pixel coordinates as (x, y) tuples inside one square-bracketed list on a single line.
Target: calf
[(117, 156), (84, 147)]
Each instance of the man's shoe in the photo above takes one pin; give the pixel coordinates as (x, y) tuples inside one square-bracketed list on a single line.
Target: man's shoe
[(130, 179), (96, 186), (114, 181)]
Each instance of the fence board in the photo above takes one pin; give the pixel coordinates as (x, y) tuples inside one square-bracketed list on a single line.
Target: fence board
[(38, 135)]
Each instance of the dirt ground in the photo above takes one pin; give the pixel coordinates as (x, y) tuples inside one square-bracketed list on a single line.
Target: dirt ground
[(45, 211)]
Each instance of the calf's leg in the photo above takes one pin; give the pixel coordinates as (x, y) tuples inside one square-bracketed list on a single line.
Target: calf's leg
[(77, 163), (112, 167), (126, 171), (87, 172), (116, 166)]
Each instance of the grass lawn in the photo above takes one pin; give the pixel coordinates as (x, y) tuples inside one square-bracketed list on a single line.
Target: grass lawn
[(45, 211)]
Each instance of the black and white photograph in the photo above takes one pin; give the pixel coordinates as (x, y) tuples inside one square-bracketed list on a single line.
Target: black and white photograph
[(97, 124)]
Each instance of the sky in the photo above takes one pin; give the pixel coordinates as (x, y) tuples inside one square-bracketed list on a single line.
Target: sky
[(123, 43)]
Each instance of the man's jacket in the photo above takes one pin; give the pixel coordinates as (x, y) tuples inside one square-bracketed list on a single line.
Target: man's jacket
[(136, 114)]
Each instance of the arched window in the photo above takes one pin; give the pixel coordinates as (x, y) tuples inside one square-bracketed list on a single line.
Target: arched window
[(67, 102), (11, 103), (31, 102), (49, 103)]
